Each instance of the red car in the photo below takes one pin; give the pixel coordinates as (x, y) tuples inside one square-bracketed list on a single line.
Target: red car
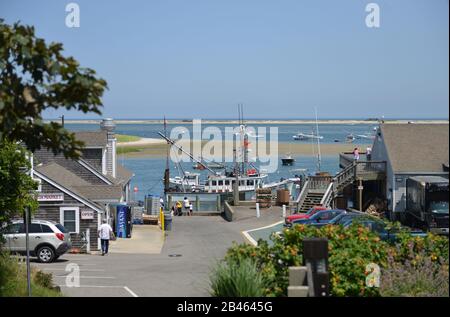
[(305, 215)]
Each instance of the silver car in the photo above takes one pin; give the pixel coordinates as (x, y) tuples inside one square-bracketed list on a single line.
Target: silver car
[(48, 240)]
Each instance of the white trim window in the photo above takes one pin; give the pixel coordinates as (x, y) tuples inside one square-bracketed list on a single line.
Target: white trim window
[(70, 218), (39, 182)]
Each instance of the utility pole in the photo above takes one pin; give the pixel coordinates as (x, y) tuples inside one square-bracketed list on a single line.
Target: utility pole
[(26, 220)]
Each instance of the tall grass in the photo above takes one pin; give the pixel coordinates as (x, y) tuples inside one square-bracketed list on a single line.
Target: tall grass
[(237, 279), (13, 279), (126, 138)]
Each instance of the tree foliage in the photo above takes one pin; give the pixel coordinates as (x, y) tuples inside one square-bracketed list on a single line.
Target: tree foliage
[(35, 76), (16, 186)]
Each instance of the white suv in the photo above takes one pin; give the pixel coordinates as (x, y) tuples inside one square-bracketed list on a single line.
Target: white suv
[(48, 240)]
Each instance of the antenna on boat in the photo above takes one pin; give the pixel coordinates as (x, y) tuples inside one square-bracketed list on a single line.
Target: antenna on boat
[(319, 156), (167, 170)]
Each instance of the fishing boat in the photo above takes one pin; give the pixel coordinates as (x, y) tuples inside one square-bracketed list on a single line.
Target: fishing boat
[(244, 174), (287, 160)]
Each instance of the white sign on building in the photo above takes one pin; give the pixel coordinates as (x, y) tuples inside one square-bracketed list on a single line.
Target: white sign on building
[(50, 197)]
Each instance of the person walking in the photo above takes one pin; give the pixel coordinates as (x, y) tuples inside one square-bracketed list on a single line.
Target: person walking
[(187, 204), (369, 153), (191, 207), (179, 207), (356, 154), (105, 233)]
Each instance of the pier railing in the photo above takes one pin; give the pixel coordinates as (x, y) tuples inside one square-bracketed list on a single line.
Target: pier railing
[(201, 202), (364, 170), (319, 182)]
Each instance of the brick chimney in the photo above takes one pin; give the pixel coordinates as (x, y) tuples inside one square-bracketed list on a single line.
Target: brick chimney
[(109, 126)]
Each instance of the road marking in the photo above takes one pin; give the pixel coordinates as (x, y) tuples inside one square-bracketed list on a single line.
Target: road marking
[(130, 291), (93, 277), (253, 241), (103, 286), (81, 270)]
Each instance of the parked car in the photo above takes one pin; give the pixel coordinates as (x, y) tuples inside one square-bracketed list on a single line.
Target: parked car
[(323, 216), (340, 219), (48, 240), (305, 215), (381, 229)]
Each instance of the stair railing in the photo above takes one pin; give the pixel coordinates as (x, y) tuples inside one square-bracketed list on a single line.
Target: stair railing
[(328, 196), (301, 197)]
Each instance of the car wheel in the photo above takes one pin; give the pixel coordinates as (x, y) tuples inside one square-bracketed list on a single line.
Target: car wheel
[(46, 254)]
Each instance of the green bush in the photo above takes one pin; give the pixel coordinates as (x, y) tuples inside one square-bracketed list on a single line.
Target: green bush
[(350, 251), (237, 279), (13, 279), (418, 275)]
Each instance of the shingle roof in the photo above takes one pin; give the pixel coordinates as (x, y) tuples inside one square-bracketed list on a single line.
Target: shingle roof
[(61, 175), (123, 175), (101, 192), (417, 147), (92, 138), (79, 186)]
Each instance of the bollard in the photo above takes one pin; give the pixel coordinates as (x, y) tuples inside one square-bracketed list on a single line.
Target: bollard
[(284, 211), (218, 202), (88, 240), (258, 214)]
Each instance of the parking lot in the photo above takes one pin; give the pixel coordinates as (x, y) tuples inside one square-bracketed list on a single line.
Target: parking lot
[(180, 268)]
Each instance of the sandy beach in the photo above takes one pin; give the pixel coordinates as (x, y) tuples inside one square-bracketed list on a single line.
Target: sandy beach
[(148, 147), (141, 142), (252, 121)]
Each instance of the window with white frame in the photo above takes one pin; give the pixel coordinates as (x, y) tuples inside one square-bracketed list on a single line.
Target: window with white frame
[(39, 183), (70, 218)]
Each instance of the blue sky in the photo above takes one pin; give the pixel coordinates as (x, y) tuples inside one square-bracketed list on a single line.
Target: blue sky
[(199, 58)]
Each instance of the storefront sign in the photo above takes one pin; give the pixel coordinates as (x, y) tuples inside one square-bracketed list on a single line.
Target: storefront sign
[(87, 214), (51, 197)]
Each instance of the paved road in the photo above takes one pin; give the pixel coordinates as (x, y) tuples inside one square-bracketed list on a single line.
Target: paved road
[(197, 243)]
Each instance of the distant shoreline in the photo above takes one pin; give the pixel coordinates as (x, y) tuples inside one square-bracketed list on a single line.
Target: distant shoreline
[(257, 121)]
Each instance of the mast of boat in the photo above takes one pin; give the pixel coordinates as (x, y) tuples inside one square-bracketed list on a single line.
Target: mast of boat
[(167, 170), (319, 156), (172, 142)]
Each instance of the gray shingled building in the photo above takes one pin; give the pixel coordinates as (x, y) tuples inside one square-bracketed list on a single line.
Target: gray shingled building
[(410, 150), (77, 193)]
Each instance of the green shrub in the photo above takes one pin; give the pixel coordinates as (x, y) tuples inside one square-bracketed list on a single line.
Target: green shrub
[(419, 275), (350, 251), (237, 279), (13, 279)]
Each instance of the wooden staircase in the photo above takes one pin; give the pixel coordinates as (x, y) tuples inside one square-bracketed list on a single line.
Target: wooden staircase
[(312, 199), (313, 192)]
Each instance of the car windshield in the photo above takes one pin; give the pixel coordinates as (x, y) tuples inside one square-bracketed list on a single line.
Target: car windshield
[(439, 207)]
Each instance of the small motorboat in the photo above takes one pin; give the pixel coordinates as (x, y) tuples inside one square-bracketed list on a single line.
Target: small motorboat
[(350, 138), (304, 136), (287, 160)]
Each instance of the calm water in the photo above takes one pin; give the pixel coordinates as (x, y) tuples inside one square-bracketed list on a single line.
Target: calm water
[(149, 171), (330, 132)]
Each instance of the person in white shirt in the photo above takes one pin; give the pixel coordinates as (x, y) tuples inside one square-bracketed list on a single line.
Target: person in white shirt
[(191, 207), (187, 205), (369, 153), (105, 232)]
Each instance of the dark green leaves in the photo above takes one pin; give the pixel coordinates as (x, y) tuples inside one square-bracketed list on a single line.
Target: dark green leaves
[(35, 76)]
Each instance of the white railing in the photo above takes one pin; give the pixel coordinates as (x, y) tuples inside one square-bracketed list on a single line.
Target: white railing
[(327, 197), (302, 192)]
